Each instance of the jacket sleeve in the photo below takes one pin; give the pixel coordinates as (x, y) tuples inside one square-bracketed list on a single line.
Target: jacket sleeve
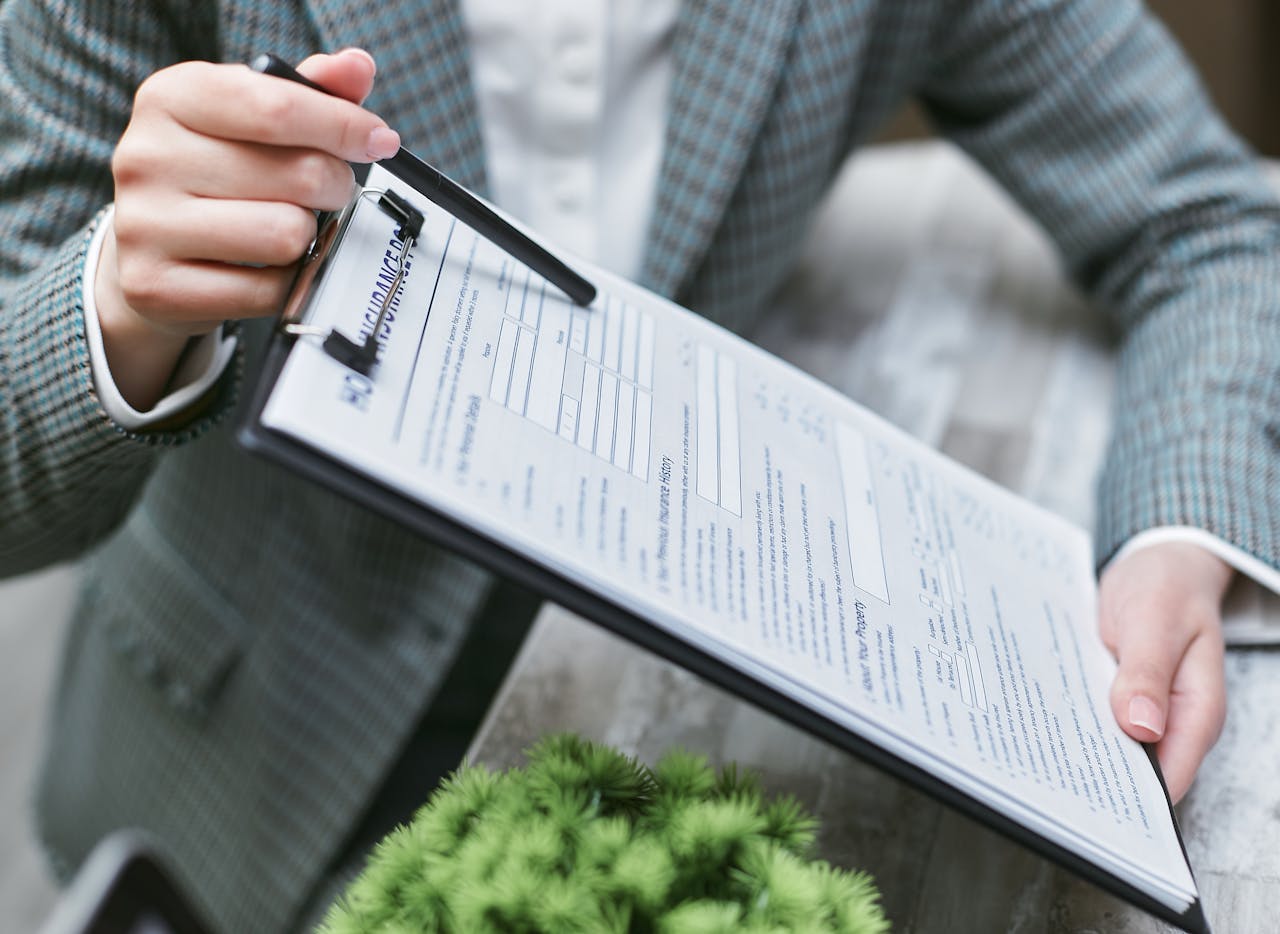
[(1089, 114), (68, 71)]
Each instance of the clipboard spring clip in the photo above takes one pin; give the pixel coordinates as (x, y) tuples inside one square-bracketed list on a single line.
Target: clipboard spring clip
[(363, 356)]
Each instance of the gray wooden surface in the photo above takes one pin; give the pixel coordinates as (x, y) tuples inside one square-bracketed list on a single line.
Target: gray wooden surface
[(925, 295)]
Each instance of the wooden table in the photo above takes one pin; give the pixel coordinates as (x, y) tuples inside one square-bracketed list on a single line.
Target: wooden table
[(927, 296)]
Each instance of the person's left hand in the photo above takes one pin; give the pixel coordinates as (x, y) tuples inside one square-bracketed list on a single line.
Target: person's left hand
[(1160, 612)]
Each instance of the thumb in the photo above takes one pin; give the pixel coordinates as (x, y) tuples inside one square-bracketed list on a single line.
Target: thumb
[(1148, 654), (1160, 615), (348, 74)]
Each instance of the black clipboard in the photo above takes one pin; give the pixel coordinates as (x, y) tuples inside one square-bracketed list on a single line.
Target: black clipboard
[(449, 532)]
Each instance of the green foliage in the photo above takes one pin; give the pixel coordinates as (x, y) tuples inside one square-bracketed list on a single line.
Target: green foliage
[(585, 839)]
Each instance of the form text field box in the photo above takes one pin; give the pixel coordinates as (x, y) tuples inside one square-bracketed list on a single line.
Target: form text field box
[(866, 553)]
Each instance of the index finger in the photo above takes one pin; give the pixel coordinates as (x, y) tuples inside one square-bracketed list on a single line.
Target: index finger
[(234, 102)]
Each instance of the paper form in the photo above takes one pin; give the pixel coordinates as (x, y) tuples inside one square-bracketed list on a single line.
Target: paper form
[(656, 459)]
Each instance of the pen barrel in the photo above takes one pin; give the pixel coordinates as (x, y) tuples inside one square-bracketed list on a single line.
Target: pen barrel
[(455, 199), (452, 197)]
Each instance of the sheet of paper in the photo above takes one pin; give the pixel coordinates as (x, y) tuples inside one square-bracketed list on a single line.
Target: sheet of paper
[(660, 461)]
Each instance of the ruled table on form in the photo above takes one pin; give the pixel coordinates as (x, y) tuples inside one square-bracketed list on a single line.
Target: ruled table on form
[(585, 374)]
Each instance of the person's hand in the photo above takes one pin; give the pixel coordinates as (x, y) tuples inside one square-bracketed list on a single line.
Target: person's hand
[(1160, 610), (217, 177)]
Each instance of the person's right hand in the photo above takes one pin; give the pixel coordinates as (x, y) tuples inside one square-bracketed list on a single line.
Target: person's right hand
[(217, 177), (1160, 613)]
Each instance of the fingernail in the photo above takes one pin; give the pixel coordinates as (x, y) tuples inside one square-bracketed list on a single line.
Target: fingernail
[(361, 52), (1143, 712), (383, 143)]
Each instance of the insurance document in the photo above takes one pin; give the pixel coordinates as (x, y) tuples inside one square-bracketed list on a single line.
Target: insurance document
[(647, 455)]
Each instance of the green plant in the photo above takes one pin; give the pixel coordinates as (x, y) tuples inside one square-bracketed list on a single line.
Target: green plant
[(585, 839)]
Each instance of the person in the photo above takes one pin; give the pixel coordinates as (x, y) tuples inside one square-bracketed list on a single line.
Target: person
[(250, 655)]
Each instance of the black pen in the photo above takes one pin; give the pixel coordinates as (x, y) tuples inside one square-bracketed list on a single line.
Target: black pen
[(462, 204)]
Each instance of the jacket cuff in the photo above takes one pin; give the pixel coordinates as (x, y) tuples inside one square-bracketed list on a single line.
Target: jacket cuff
[(182, 415), (1217, 482), (205, 360), (1247, 564), (53, 421)]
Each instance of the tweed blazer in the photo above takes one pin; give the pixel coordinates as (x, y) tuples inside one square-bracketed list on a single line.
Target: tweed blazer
[(250, 652)]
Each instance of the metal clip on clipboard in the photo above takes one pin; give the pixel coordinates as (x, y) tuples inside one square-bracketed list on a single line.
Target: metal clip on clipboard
[(438, 188), (361, 357)]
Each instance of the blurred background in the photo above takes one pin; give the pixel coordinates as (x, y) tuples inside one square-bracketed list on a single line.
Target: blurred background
[(1233, 42)]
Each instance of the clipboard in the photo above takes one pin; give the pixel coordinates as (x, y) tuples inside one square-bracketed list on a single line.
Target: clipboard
[(527, 568)]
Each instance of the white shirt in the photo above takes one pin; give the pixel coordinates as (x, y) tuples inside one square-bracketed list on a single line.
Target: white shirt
[(572, 97)]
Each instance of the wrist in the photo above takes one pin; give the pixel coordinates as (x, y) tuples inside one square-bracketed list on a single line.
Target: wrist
[(140, 355)]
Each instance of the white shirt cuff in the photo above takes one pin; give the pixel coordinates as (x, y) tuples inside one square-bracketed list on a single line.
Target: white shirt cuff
[(201, 365), (1250, 615)]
